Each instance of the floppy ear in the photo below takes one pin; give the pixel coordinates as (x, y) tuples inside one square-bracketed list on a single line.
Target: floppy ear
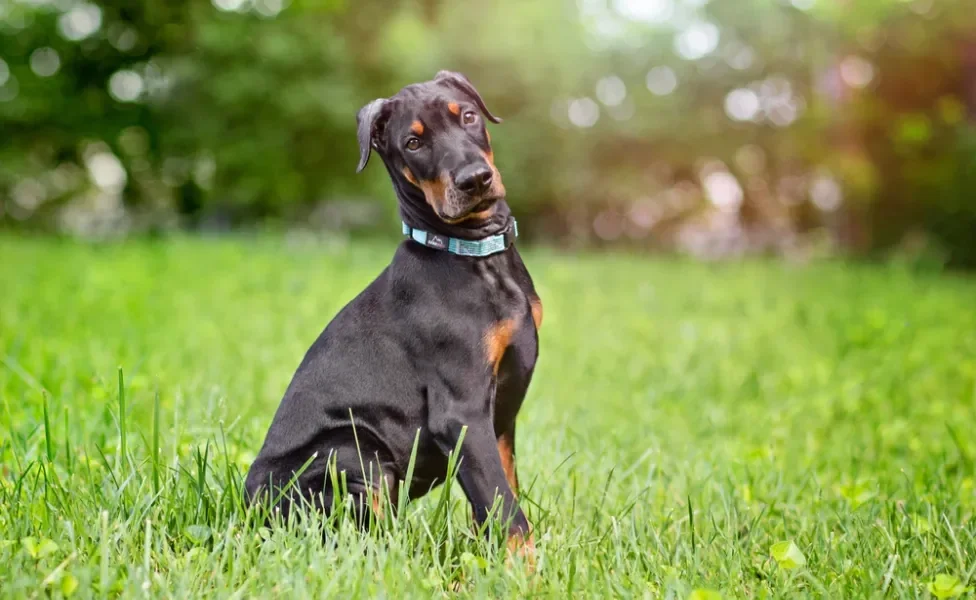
[(460, 82), (366, 121)]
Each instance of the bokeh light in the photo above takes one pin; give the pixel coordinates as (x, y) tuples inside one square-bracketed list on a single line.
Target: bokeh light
[(584, 112), (649, 11), (106, 171), (126, 85), (856, 71), (697, 40), (661, 81), (45, 62), (80, 21), (723, 190), (742, 104), (611, 90)]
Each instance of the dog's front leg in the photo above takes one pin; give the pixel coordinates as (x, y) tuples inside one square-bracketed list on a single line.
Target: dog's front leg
[(480, 471)]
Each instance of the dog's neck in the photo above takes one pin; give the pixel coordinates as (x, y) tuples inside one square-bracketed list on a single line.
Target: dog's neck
[(416, 213)]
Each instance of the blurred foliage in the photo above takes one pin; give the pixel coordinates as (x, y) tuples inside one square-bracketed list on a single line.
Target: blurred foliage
[(717, 128)]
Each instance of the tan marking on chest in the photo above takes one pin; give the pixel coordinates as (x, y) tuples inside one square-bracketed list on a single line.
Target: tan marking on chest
[(497, 338), (536, 305)]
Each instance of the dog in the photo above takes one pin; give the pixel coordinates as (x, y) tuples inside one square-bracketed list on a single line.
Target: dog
[(445, 338)]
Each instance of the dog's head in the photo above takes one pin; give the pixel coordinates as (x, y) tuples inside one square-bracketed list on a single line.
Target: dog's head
[(432, 136)]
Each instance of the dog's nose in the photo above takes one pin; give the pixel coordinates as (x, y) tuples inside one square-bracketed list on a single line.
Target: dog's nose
[(473, 179)]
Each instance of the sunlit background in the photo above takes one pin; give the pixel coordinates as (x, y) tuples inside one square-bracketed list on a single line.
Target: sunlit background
[(714, 128)]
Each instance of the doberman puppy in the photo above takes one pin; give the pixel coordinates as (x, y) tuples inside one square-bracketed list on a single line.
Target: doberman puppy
[(444, 338)]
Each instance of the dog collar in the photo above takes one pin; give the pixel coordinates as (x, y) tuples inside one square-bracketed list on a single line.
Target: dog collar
[(492, 244)]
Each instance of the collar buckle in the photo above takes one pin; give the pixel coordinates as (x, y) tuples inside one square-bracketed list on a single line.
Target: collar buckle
[(510, 232)]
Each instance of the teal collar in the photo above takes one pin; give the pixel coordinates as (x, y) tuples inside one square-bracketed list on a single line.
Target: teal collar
[(492, 244)]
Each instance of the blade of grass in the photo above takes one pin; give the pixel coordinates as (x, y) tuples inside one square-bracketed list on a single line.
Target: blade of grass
[(48, 442), (123, 438), (154, 458)]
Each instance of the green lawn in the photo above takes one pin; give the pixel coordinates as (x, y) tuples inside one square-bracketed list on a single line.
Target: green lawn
[(683, 419)]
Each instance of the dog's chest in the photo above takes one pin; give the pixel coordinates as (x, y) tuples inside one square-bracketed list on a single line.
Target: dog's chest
[(511, 338), (510, 301)]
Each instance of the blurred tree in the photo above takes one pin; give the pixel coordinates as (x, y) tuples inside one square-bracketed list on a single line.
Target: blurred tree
[(711, 127), (61, 88)]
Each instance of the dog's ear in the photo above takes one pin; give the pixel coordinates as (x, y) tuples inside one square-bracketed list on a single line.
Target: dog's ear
[(460, 82), (366, 121)]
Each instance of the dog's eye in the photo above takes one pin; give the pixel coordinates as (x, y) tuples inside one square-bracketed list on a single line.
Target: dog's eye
[(469, 117), (413, 144)]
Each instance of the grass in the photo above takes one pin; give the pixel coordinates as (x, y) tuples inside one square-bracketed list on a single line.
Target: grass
[(684, 419)]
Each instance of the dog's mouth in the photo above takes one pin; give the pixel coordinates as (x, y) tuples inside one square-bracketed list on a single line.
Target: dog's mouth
[(482, 208), (484, 205)]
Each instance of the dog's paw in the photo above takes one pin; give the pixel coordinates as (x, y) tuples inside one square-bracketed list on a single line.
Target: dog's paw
[(523, 547)]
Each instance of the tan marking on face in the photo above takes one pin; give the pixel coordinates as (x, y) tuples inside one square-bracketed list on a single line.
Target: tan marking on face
[(481, 215), (454, 108), (497, 187), (435, 191), (506, 451), (417, 127), (409, 175), (497, 190), (497, 339), (475, 216), (536, 305)]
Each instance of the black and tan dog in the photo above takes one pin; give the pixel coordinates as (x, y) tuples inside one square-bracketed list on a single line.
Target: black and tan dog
[(444, 338)]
